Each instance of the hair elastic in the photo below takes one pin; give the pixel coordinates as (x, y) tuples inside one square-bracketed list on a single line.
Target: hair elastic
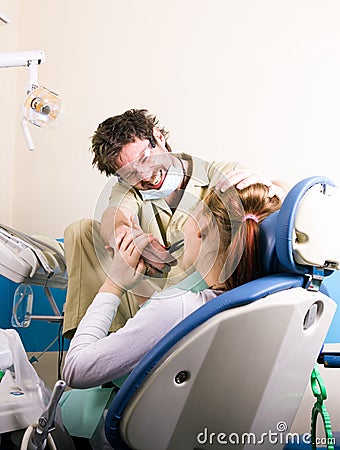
[(251, 217)]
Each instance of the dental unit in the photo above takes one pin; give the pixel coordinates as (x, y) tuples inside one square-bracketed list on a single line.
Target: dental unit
[(28, 260)]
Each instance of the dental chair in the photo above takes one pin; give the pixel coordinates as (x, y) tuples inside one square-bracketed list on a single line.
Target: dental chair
[(232, 374)]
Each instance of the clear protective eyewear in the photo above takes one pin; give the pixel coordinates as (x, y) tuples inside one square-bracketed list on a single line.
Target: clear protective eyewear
[(132, 177)]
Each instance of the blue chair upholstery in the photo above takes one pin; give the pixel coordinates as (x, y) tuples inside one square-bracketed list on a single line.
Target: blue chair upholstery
[(326, 358), (282, 275)]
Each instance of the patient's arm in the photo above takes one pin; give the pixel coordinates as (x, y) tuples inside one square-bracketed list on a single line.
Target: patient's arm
[(142, 293), (117, 222), (96, 357)]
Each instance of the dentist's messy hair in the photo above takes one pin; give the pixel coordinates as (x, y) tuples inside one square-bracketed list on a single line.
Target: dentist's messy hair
[(115, 132)]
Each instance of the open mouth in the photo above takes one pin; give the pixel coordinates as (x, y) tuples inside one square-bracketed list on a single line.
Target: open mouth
[(156, 182)]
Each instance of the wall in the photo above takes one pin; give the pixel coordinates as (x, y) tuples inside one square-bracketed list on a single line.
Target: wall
[(253, 81), (8, 112)]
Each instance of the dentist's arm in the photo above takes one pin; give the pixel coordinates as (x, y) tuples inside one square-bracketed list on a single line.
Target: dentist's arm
[(114, 219), (117, 222)]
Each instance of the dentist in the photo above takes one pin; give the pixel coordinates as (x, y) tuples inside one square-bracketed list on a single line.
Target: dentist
[(154, 191)]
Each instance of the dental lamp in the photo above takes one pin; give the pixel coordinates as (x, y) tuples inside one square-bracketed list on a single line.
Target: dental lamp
[(41, 105)]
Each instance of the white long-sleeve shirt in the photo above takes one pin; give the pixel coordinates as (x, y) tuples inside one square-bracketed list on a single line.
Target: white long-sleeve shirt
[(94, 357)]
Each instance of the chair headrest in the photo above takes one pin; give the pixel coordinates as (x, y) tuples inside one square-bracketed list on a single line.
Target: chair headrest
[(303, 234), (269, 259)]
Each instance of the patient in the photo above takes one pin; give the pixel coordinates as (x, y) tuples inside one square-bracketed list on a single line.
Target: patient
[(221, 243)]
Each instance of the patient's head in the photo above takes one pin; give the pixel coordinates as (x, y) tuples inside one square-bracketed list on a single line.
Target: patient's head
[(222, 235), (133, 126)]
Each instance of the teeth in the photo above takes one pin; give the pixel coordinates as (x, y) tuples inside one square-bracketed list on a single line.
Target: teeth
[(157, 180)]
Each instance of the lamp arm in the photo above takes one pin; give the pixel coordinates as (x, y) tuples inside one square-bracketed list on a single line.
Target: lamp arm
[(21, 59)]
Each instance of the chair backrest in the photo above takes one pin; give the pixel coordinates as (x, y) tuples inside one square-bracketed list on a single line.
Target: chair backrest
[(235, 370)]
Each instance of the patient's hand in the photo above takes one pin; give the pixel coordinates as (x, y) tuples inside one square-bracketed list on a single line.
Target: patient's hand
[(127, 266), (157, 259)]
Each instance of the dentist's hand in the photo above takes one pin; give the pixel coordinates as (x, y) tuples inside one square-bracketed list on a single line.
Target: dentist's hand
[(243, 178), (157, 259)]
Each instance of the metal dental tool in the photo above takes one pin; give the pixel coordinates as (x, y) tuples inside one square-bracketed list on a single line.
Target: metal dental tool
[(175, 246), (40, 432)]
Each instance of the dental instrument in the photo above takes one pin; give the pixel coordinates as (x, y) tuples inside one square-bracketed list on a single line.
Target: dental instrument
[(37, 435), (29, 411), (175, 246), (24, 258), (23, 395)]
